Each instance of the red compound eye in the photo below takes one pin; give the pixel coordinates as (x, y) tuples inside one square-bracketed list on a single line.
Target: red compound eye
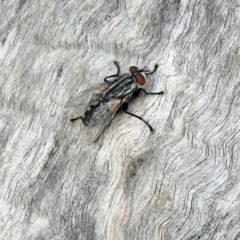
[(141, 79), (133, 69)]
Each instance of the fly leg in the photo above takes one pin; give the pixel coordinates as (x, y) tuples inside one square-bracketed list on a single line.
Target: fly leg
[(115, 75), (155, 69), (75, 119), (138, 91), (147, 72), (152, 93), (124, 109)]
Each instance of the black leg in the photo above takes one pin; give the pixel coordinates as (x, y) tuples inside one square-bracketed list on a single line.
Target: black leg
[(115, 75), (118, 67), (140, 70), (155, 69), (75, 119), (150, 127), (150, 93), (105, 79), (137, 92)]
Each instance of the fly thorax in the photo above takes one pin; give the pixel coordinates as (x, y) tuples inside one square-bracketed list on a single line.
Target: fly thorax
[(120, 89)]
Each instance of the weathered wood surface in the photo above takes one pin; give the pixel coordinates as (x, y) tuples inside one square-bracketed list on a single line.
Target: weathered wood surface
[(181, 182)]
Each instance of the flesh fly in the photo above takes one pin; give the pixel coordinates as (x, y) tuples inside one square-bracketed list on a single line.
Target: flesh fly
[(101, 103)]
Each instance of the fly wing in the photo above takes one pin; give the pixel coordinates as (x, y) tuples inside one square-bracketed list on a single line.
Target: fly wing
[(84, 99), (103, 116)]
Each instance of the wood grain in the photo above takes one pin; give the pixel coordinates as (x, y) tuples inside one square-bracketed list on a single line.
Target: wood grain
[(182, 182)]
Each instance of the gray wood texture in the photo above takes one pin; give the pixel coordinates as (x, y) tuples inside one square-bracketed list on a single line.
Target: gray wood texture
[(182, 182)]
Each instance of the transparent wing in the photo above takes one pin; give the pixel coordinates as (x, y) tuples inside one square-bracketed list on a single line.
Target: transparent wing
[(84, 99), (102, 118), (77, 105)]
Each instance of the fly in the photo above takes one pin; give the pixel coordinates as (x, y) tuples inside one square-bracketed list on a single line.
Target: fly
[(100, 103)]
